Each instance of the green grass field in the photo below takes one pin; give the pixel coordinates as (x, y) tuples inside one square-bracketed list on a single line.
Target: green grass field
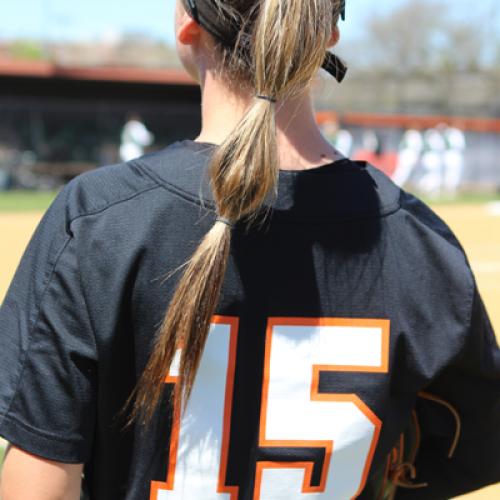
[(22, 201), (3, 446)]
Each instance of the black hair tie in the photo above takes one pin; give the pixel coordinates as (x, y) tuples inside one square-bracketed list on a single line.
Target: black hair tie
[(266, 97), (225, 220)]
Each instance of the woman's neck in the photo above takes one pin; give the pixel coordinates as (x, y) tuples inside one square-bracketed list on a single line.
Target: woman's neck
[(300, 142)]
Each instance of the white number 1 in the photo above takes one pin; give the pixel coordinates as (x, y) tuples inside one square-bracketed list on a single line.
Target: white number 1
[(293, 412)]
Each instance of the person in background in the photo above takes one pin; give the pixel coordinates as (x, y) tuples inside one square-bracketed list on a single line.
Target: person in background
[(410, 150), (340, 138), (134, 138), (454, 160), (373, 151), (430, 182)]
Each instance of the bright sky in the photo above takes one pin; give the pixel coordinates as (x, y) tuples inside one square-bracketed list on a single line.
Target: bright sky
[(60, 19)]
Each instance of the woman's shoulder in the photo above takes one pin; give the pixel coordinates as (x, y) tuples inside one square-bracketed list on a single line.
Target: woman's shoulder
[(94, 191), (411, 208), (420, 240), (419, 210)]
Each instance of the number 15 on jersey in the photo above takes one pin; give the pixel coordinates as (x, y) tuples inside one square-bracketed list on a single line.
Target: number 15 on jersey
[(294, 414)]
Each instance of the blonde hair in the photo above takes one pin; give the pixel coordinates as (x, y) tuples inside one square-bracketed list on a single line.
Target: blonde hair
[(287, 47)]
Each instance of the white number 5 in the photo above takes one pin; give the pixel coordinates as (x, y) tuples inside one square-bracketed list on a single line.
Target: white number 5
[(293, 412)]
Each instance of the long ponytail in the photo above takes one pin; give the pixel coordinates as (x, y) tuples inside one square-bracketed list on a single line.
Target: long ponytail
[(288, 41)]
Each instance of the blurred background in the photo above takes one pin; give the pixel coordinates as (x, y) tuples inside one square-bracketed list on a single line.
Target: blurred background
[(88, 84), (421, 99)]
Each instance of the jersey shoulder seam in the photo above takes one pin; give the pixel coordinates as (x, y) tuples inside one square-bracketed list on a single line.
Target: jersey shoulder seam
[(453, 241), (113, 203), (172, 188)]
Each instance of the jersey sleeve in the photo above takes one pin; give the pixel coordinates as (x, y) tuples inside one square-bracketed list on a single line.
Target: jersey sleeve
[(48, 355), (461, 405)]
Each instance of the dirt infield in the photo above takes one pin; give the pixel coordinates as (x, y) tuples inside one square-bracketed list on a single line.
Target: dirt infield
[(476, 226)]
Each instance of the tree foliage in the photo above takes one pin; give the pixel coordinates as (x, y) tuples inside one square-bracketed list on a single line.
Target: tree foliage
[(425, 35)]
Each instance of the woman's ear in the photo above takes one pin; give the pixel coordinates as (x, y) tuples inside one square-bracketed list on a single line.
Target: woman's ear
[(334, 39), (187, 29)]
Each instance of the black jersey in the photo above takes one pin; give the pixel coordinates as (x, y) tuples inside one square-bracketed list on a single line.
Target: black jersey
[(337, 311)]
